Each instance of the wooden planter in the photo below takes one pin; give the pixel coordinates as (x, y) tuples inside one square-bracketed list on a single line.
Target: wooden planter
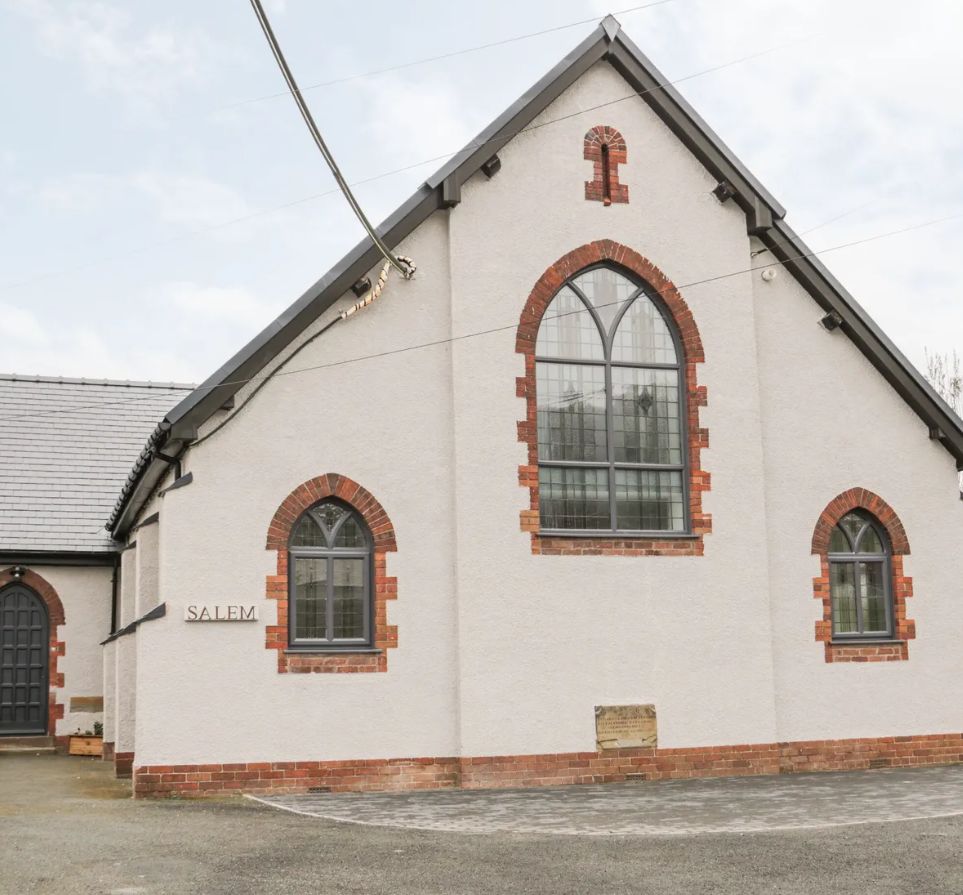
[(83, 745)]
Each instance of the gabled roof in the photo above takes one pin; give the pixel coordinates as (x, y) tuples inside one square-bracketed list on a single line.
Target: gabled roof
[(66, 446), (764, 216)]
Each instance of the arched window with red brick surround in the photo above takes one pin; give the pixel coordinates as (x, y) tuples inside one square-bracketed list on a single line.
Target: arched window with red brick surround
[(332, 538), (612, 422), (861, 544), (605, 147)]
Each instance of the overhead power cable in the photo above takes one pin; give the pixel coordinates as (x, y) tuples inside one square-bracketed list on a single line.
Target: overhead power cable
[(406, 270), (497, 329), (475, 144), (439, 58)]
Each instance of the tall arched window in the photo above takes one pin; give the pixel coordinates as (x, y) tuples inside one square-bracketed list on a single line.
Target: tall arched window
[(860, 578), (610, 398), (329, 558)]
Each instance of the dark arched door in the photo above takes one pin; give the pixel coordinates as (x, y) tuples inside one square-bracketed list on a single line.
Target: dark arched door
[(24, 643)]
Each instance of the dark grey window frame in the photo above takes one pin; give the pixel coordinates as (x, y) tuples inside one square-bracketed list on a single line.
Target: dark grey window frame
[(884, 559), (330, 553), (642, 288)]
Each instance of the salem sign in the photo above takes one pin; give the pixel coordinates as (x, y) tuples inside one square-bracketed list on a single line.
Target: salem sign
[(220, 612)]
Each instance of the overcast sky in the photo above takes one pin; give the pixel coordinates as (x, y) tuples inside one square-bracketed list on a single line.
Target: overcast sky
[(130, 147)]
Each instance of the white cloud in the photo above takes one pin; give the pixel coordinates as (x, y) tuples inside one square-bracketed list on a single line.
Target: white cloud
[(191, 201), (18, 325), (74, 193), (232, 305), (31, 347), (412, 119), (115, 53)]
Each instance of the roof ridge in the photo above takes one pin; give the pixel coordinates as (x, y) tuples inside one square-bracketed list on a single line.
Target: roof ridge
[(70, 380)]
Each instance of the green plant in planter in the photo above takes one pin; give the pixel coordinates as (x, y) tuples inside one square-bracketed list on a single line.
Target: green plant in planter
[(98, 731)]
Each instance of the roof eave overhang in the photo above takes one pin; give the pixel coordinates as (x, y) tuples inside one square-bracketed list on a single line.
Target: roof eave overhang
[(797, 258), (764, 218), (142, 485), (694, 133)]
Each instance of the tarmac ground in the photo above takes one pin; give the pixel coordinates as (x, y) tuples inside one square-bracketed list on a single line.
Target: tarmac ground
[(66, 826)]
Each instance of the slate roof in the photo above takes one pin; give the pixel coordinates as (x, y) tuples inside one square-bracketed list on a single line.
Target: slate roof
[(764, 219), (66, 447)]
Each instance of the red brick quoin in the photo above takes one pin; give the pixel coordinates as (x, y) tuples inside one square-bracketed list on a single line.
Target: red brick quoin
[(605, 147), (904, 628), (55, 617), (385, 588), (697, 438)]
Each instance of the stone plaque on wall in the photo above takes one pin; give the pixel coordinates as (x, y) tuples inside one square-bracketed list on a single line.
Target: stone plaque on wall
[(625, 726)]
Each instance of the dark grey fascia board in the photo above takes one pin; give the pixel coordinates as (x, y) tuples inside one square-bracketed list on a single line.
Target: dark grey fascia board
[(58, 557), (443, 190), (789, 249), (694, 133), (469, 160), (211, 394), (432, 195)]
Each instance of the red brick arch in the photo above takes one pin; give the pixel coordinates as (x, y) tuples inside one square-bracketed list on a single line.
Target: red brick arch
[(56, 617), (385, 588), (904, 628), (697, 438)]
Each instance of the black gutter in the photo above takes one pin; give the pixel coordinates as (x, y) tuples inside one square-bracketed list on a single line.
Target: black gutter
[(115, 594), (57, 557)]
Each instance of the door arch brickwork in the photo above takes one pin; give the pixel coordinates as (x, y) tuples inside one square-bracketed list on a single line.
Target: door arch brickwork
[(55, 644)]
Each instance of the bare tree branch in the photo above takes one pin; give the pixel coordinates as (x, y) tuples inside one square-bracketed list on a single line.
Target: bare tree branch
[(944, 373)]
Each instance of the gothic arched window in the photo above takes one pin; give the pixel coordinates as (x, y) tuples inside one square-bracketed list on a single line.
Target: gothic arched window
[(612, 447), (860, 578), (329, 560)]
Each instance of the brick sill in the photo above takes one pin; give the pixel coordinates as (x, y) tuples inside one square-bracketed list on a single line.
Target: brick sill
[(619, 535), (867, 642), (361, 651)]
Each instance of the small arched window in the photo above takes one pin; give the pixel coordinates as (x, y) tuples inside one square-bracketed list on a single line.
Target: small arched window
[(612, 447), (329, 558), (860, 578)]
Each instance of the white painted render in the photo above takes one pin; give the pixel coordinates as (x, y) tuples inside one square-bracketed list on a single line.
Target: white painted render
[(832, 423), (501, 651), (125, 657), (85, 594), (110, 691)]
